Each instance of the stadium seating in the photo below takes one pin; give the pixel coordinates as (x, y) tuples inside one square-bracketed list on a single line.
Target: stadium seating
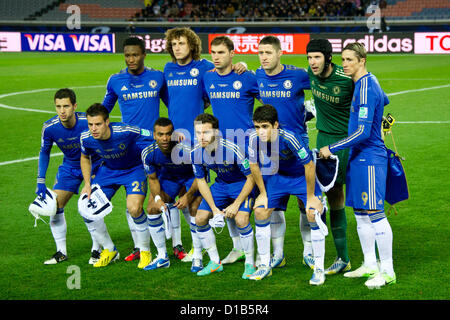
[(245, 10), (20, 10), (417, 9)]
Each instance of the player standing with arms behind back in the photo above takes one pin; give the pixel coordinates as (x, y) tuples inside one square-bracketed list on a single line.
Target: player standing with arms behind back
[(367, 169), (282, 86), (332, 91), (138, 90)]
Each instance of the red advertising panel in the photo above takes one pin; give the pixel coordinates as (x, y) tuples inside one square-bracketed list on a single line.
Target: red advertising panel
[(432, 42), (247, 43)]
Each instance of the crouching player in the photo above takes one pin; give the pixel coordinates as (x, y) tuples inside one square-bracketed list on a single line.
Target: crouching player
[(120, 146), (231, 195), (286, 169), (168, 167), (64, 129)]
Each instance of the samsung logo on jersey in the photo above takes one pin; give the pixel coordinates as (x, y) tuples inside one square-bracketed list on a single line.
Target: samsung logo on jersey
[(140, 95), (225, 95), (182, 82), (324, 96), (275, 94)]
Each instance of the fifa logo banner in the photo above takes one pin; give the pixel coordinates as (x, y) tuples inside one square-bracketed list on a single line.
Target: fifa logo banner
[(248, 43), (68, 42)]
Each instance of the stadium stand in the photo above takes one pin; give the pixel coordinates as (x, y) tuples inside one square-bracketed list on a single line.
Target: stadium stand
[(20, 10), (221, 10), (418, 9)]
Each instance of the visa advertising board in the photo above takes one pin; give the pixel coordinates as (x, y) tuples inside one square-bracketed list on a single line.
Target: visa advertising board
[(68, 42)]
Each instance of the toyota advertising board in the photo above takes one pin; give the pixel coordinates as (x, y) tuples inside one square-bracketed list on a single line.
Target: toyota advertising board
[(432, 42), (68, 42), (247, 43)]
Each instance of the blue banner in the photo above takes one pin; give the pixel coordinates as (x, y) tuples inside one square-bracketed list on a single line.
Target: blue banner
[(68, 42)]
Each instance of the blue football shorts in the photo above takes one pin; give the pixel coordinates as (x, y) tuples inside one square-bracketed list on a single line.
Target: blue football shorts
[(224, 194), (366, 186), (68, 178), (172, 187), (110, 180), (280, 187)]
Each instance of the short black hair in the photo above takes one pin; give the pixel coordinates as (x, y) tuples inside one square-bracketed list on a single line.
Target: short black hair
[(272, 40), (265, 113), (134, 41), (163, 122), (66, 93), (97, 109), (207, 118)]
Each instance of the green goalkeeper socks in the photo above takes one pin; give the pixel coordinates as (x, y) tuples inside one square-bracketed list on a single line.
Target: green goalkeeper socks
[(338, 223)]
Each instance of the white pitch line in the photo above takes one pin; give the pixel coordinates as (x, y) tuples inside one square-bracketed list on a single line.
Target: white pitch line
[(418, 90), (29, 159)]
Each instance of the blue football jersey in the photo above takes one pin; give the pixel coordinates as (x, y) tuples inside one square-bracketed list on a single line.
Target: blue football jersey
[(232, 98), (67, 140), (228, 161), (138, 95), (364, 127), (186, 92), (285, 91), (123, 148), (286, 156), (174, 166)]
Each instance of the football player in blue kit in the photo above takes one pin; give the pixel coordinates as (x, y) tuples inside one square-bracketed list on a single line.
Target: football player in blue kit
[(282, 165), (119, 145), (232, 97), (64, 129), (230, 196), (138, 89), (168, 167), (186, 94), (282, 86), (367, 169)]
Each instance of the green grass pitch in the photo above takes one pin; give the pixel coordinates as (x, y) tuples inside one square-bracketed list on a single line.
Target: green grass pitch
[(421, 228)]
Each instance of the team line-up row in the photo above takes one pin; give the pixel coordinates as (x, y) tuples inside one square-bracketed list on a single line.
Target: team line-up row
[(259, 175)]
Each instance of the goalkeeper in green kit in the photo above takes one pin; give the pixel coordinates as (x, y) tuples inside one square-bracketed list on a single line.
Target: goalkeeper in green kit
[(332, 91)]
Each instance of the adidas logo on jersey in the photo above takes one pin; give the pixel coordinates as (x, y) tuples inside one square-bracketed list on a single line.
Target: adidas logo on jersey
[(124, 88)]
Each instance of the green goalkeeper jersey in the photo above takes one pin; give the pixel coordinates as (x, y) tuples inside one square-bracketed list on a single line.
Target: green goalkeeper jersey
[(332, 99)]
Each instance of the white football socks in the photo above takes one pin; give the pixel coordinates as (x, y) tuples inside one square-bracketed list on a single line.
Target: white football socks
[(366, 234), (246, 237), (156, 227), (208, 239), (58, 226), (262, 235), (277, 232), (142, 232)]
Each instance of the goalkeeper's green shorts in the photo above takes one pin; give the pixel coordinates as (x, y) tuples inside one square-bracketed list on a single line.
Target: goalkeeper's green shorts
[(325, 139)]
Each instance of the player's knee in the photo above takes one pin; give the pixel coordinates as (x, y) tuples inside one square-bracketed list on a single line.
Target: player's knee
[(262, 214), (201, 218), (135, 210), (241, 220)]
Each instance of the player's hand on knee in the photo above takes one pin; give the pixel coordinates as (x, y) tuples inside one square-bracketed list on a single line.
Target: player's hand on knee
[(261, 200)]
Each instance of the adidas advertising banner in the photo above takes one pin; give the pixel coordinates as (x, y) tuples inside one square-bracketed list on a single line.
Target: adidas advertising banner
[(68, 42), (388, 42)]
